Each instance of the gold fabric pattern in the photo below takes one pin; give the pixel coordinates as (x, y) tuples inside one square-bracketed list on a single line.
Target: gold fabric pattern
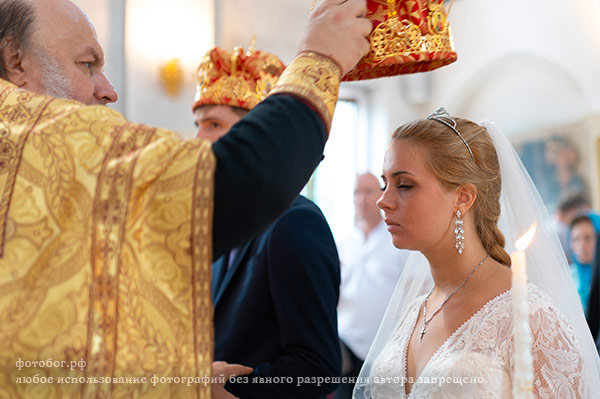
[(105, 271), (11, 146), (314, 78)]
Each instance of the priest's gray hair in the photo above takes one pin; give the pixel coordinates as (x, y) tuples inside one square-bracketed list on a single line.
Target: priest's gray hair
[(16, 21)]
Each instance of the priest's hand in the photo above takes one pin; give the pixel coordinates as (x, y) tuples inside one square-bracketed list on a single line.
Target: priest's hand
[(338, 29), (224, 370)]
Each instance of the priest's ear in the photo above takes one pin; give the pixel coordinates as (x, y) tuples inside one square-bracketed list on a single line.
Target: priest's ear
[(466, 194), (11, 56)]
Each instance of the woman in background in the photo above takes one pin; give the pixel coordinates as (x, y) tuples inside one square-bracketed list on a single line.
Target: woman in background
[(582, 242)]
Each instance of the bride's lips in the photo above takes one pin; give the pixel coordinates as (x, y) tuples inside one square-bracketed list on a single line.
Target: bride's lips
[(391, 225)]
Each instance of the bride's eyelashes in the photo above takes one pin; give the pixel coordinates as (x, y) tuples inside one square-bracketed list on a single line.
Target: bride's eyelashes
[(403, 187), (384, 181)]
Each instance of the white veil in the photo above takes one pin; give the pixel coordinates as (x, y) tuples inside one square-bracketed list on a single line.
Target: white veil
[(547, 266)]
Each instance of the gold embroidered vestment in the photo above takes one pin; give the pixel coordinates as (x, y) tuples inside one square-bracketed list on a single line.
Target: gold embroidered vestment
[(102, 291)]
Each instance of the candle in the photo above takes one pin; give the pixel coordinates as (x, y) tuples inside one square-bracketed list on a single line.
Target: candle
[(522, 383)]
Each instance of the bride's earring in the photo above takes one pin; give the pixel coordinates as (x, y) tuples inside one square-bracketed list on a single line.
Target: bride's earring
[(459, 233)]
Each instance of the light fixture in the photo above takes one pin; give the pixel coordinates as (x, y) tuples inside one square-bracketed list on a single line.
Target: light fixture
[(165, 59), (171, 77)]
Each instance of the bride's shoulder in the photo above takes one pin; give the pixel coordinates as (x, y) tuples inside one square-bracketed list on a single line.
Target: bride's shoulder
[(543, 312), (539, 303), (539, 300)]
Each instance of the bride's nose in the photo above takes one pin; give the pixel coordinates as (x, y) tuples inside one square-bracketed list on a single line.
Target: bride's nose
[(384, 202)]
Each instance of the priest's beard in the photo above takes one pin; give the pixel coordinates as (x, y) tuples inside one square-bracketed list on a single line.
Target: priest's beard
[(56, 83)]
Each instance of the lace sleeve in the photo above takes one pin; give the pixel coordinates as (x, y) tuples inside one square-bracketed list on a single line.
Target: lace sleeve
[(557, 362)]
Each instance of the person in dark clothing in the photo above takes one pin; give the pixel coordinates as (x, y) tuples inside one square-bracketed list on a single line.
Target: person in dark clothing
[(293, 264), (593, 307)]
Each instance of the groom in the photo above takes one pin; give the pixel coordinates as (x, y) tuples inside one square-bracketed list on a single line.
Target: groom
[(275, 296)]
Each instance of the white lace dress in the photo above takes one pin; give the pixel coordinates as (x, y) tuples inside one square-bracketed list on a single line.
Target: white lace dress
[(476, 361)]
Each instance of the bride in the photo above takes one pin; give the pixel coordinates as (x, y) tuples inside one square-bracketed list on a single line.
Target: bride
[(456, 192)]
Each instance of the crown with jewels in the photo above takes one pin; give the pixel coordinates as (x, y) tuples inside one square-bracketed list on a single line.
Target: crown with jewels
[(408, 36), (240, 79)]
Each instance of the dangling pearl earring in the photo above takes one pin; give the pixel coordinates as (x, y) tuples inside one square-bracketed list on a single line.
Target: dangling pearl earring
[(459, 233)]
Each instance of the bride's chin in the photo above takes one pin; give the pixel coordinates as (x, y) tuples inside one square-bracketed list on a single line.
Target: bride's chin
[(400, 243)]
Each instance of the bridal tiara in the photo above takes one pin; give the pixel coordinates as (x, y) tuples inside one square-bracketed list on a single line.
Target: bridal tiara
[(442, 116)]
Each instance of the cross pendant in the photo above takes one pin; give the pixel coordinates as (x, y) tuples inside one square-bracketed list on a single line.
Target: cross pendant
[(422, 332)]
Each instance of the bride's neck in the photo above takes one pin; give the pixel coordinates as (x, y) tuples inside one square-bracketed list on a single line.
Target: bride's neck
[(450, 269)]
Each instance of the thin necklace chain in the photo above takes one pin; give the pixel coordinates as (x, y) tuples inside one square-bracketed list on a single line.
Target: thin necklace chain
[(425, 321)]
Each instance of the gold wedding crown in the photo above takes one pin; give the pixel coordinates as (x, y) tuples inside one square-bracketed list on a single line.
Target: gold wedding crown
[(408, 36), (240, 79)]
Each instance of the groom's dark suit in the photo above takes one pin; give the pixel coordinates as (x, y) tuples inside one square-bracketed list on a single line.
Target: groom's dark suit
[(275, 307)]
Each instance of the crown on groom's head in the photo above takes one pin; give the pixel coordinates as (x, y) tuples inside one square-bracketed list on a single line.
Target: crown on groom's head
[(240, 79)]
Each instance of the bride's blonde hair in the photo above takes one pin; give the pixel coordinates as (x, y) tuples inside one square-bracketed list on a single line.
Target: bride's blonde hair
[(450, 161)]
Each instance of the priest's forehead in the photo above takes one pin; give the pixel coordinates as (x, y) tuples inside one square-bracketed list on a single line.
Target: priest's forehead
[(60, 24)]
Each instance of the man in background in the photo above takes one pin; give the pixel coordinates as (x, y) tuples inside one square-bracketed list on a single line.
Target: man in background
[(107, 227), (370, 266), (275, 296)]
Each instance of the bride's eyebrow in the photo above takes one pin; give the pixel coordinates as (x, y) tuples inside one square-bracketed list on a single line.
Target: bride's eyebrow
[(402, 172)]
